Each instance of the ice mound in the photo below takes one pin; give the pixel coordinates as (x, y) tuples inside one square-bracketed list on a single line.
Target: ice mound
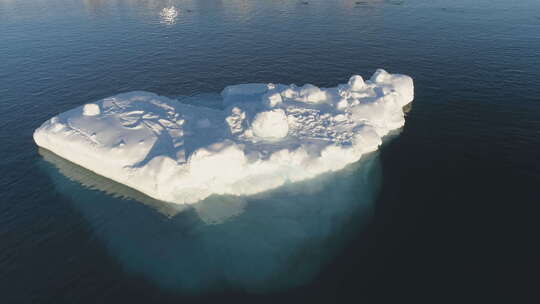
[(267, 135)]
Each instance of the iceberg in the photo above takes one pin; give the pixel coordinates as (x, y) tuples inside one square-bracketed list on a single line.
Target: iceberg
[(267, 242), (264, 136)]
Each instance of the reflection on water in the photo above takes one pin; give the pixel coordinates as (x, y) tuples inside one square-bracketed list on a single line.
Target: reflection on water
[(168, 11), (275, 240), (168, 15)]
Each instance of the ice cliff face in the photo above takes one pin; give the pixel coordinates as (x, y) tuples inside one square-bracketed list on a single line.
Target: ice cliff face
[(268, 134)]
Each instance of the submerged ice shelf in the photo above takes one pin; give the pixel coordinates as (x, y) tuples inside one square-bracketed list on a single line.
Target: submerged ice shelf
[(267, 135)]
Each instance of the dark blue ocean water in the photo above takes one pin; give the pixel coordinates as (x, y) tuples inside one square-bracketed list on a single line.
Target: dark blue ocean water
[(444, 212)]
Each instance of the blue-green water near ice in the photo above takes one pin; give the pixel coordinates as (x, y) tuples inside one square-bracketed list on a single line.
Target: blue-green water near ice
[(443, 212)]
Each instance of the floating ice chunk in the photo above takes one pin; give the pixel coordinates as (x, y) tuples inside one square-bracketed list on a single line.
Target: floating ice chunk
[(264, 243), (268, 134)]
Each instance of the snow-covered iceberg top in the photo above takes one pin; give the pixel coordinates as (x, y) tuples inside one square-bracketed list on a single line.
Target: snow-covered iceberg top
[(268, 134)]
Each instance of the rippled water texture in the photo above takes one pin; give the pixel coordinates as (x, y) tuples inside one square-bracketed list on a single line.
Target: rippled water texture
[(443, 212)]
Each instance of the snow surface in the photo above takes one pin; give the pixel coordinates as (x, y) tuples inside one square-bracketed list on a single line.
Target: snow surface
[(268, 135)]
